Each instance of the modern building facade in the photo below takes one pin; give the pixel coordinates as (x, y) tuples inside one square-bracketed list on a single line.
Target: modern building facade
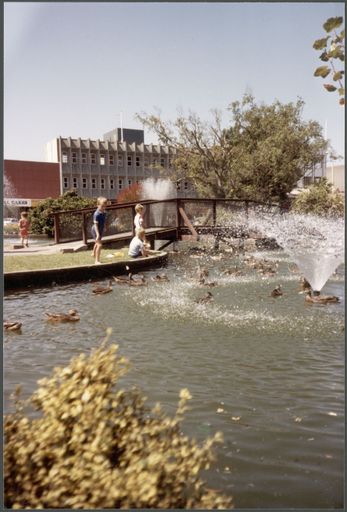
[(105, 167)]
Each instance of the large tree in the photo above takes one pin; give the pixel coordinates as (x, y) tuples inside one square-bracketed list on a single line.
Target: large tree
[(261, 155)]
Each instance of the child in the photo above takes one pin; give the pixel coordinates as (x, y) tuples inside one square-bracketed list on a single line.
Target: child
[(99, 217), (137, 245), (138, 220), (23, 225)]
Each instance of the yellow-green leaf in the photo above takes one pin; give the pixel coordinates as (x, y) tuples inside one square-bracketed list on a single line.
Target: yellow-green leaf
[(338, 75), (319, 44), (322, 71), (329, 87), (341, 91), (332, 23)]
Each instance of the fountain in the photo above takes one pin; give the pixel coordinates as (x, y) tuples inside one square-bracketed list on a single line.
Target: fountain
[(9, 191), (316, 244), (158, 189)]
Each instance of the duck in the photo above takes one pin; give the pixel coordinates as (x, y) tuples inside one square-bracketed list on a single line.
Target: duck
[(277, 292), (305, 285), (211, 284), (141, 281), (12, 326), (121, 279), (101, 290), (204, 300), (321, 299), (70, 316), (160, 278)]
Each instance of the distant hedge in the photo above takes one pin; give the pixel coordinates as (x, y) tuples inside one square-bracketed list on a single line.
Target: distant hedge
[(320, 199)]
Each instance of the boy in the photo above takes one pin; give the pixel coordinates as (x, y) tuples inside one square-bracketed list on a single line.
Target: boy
[(99, 217), (138, 220), (137, 245)]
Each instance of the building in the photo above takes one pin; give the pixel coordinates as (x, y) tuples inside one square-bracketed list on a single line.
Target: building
[(335, 174), (26, 183), (104, 167)]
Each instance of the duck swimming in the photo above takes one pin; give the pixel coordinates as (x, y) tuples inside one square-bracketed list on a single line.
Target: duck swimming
[(277, 292), (321, 299), (204, 300), (70, 316), (140, 281), (12, 326), (160, 278), (101, 290)]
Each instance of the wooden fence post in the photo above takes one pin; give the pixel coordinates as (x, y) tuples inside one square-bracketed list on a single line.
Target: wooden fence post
[(84, 228), (56, 228)]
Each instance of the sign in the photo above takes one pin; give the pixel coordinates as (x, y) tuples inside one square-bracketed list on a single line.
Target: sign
[(13, 201)]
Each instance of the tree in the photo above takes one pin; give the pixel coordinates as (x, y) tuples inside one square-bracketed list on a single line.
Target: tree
[(260, 156), (130, 194), (41, 220), (319, 199), (333, 46)]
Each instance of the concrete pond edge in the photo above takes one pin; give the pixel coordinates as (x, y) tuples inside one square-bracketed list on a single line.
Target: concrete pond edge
[(65, 275)]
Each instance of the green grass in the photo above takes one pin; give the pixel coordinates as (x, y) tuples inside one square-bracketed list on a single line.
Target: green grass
[(14, 263)]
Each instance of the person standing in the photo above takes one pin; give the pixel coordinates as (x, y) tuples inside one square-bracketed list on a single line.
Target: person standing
[(24, 225), (99, 218), (138, 219)]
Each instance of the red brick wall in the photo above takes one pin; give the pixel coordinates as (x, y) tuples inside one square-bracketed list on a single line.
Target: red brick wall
[(33, 180)]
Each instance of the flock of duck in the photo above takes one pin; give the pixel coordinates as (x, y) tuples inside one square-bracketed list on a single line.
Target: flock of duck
[(263, 267)]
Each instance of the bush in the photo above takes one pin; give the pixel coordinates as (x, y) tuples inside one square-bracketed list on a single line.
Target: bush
[(98, 447), (40, 217), (130, 194), (319, 199)]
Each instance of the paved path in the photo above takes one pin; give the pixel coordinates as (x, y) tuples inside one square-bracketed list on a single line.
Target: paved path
[(45, 249)]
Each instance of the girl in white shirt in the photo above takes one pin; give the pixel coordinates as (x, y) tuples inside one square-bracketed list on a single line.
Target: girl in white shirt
[(138, 220)]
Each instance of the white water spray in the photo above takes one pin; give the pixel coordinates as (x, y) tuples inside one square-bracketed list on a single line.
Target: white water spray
[(158, 189), (316, 244)]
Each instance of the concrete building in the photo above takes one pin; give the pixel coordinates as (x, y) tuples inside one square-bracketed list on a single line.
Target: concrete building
[(105, 167), (335, 174), (26, 183)]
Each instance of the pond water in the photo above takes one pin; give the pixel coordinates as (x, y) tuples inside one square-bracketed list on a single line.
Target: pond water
[(267, 372)]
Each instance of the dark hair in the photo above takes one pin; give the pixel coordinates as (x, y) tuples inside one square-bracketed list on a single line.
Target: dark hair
[(25, 214)]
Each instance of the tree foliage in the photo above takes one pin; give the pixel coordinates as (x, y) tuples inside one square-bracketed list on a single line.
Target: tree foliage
[(40, 217), (130, 194), (264, 151), (319, 199), (333, 46), (94, 445)]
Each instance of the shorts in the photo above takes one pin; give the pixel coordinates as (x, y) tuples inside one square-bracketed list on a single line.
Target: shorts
[(94, 233)]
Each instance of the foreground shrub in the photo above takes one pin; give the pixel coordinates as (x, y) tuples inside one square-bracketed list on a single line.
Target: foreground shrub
[(96, 446), (319, 199)]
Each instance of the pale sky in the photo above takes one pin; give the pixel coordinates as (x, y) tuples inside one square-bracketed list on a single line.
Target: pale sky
[(71, 68)]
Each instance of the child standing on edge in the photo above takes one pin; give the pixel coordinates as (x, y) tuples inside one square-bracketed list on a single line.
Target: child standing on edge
[(99, 217), (24, 225), (138, 220)]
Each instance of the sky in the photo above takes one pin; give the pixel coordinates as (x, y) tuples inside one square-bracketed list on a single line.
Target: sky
[(70, 69)]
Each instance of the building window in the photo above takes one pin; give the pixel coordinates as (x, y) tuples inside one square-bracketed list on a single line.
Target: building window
[(162, 162), (93, 182), (186, 185), (74, 158), (146, 161), (111, 159), (178, 185), (84, 182), (93, 158), (120, 160), (137, 161), (84, 158), (155, 161), (111, 184), (102, 183), (65, 159), (130, 182), (74, 182), (120, 184), (170, 163), (66, 182), (130, 161), (102, 159)]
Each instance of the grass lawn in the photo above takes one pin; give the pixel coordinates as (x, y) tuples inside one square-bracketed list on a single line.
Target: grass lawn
[(14, 263)]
